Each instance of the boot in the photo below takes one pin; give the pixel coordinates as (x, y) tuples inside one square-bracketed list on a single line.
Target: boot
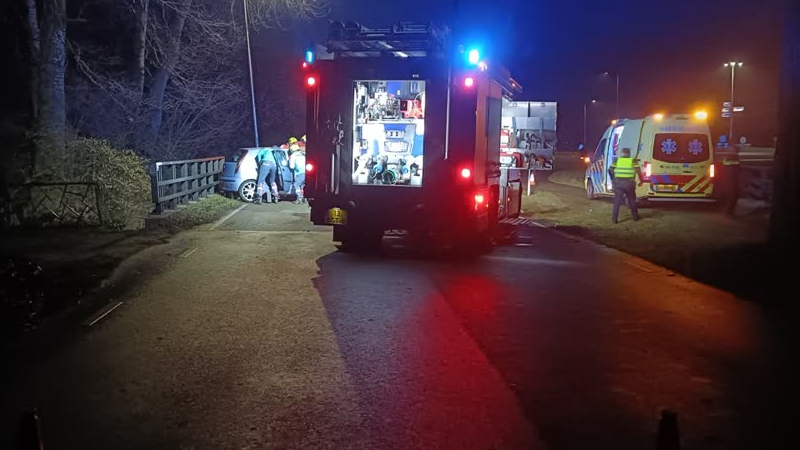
[(257, 200)]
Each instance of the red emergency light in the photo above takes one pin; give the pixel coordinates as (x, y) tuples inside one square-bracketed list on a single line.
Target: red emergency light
[(469, 82), (311, 81), (466, 173), (309, 167), (305, 65), (479, 199)]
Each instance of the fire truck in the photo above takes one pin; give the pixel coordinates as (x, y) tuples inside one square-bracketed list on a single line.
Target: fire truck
[(403, 131)]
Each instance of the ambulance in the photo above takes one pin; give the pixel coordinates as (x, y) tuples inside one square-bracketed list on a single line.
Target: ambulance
[(674, 153)]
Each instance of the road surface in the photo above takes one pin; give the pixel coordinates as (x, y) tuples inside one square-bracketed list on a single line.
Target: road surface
[(259, 334)]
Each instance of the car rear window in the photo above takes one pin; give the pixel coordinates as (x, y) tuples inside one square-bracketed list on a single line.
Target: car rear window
[(681, 147)]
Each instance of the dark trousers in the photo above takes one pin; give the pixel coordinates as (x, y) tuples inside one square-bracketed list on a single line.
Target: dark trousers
[(731, 191), (267, 173), (625, 187)]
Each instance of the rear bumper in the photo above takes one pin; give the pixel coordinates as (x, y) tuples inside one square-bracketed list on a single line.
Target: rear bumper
[(228, 185), (682, 199), (419, 216)]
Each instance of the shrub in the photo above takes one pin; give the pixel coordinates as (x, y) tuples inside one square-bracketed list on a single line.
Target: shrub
[(122, 180)]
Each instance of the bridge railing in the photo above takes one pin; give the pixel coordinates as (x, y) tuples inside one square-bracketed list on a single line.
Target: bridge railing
[(176, 183)]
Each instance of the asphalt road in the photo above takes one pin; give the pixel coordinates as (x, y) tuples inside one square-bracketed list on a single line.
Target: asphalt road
[(259, 334)]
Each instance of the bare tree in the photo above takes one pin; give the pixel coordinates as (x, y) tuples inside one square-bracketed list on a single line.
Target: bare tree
[(47, 46), (34, 50)]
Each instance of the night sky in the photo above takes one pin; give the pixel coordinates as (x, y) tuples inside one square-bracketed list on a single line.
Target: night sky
[(669, 54)]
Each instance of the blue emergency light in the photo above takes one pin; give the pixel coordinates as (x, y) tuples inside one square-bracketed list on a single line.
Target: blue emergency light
[(474, 56), (310, 56)]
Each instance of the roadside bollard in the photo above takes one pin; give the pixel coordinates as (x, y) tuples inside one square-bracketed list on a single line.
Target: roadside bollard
[(668, 435)]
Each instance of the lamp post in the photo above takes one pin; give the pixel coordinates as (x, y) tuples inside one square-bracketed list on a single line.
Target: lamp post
[(733, 65), (616, 103), (585, 105), (250, 67)]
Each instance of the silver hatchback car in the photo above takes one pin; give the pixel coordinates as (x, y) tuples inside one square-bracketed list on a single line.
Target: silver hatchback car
[(240, 174)]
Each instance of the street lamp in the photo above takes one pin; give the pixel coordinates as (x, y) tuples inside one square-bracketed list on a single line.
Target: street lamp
[(733, 65), (616, 104), (585, 104), (250, 67)]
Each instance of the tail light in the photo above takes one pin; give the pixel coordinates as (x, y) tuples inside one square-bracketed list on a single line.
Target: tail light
[(648, 170), (466, 173), (481, 202), (711, 171), (469, 82), (311, 81), (309, 167)]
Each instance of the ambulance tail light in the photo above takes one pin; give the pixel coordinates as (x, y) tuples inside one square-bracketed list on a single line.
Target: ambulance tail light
[(711, 171), (648, 170), (311, 81), (469, 82), (466, 173), (309, 167)]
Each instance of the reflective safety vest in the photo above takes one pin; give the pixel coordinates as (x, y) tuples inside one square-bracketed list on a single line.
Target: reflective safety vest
[(624, 168)]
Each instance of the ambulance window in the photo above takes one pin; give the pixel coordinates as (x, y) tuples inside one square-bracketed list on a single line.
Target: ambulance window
[(388, 132), (601, 147), (681, 147)]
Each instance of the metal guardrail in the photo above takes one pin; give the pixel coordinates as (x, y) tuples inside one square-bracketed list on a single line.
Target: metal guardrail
[(749, 156), (176, 183)]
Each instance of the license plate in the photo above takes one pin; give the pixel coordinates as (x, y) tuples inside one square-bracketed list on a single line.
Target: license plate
[(336, 216), (667, 187)]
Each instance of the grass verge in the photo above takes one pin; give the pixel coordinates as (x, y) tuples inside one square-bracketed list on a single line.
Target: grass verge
[(571, 177), (48, 271), (691, 239), (205, 211)]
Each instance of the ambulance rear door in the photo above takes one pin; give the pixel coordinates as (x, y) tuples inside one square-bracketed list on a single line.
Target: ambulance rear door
[(625, 135)]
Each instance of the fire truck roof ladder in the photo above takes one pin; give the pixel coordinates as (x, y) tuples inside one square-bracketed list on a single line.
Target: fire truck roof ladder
[(402, 40)]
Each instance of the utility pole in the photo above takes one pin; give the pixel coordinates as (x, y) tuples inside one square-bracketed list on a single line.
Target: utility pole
[(585, 104), (733, 66), (616, 102), (250, 66)]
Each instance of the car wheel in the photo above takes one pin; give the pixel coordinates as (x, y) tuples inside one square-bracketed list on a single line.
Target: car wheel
[(590, 194), (247, 190)]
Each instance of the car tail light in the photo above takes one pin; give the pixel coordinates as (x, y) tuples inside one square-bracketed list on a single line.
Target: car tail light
[(648, 170), (711, 171), (309, 167), (466, 173)]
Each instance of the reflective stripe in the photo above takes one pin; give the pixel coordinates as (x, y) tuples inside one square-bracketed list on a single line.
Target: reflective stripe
[(730, 162), (623, 168)]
